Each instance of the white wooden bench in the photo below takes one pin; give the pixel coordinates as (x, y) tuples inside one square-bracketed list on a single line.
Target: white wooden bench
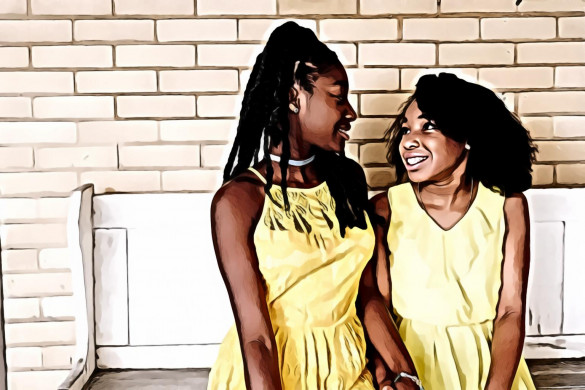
[(150, 295)]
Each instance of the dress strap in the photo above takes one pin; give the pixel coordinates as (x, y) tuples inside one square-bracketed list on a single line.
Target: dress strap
[(254, 171)]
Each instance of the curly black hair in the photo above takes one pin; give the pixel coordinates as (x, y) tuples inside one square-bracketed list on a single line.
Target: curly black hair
[(286, 59), (502, 151)]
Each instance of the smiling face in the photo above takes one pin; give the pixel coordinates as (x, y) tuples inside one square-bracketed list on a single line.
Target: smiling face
[(325, 114), (427, 154)]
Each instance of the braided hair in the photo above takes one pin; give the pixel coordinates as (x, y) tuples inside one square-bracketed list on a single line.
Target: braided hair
[(286, 59)]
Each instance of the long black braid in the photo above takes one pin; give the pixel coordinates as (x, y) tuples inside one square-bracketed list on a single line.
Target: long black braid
[(264, 120)]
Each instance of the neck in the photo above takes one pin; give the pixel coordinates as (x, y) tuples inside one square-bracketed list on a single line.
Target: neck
[(448, 190)]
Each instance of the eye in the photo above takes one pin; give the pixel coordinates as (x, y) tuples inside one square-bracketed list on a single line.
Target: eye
[(430, 126), (404, 130), (339, 98)]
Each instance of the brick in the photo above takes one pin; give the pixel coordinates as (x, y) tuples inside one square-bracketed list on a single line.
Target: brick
[(448, 29), (213, 130), (37, 132), (552, 6), (37, 285), (27, 380), (380, 177), (236, 7), (36, 82), (58, 356), (409, 77), (572, 27), (260, 29), (17, 209), (74, 107), (214, 156), (346, 52), (15, 107), (539, 127), (382, 104), (113, 30), (518, 28), (35, 31), (227, 55), (40, 333), (193, 180), (476, 53), (374, 7), (28, 357), (116, 81), (156, 106), (358, 29), (54, 258), (553, 52), (53, 207), (71, 7), (536, 102), (199, 81), (35, 182), (369, 128), (90, 157), (561, 150), (509, 100), (109, 132), (140, 181), (154, 7), (536, 77), (159, 156), (303, 7), (155, 55), (58, 307), (13, 57), (72, 56), (218, 106), (542, 175), (373, 153), (477, 6), (373, 79), (570, 76), (197, 30), (16, 158), (13, 7), (569, 126), (571, 173), (397, 54), (22, 309), (19, 260), (34, 235)]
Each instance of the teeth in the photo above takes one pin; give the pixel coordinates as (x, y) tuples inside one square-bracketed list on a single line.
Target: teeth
[(415, 160)]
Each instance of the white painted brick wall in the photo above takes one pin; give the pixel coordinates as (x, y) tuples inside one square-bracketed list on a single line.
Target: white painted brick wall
[(143, 95)]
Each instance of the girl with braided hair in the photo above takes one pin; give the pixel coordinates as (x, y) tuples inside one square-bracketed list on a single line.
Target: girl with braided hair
[(292, 232)]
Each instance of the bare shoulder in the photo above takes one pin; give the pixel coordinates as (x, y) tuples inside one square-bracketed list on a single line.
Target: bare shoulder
[(381, 205), (242, 196), (516, 205)]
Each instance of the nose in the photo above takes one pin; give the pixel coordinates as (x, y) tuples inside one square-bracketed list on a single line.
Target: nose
[(410, 141), (350, 113)]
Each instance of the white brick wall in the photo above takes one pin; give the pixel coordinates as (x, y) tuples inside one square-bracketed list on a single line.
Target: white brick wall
[(143, 95)]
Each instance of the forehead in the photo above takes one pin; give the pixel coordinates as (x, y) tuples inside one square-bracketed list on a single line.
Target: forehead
[(334, 76), (413, 112)]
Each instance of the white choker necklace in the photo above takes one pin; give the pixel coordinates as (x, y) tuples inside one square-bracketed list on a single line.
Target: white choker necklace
[(294, 163)]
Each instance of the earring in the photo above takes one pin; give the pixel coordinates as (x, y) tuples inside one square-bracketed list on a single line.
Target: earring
[(467, 146), (293, 108)]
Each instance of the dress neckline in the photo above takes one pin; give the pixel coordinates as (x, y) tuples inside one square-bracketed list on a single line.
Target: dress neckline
[(433, 220)]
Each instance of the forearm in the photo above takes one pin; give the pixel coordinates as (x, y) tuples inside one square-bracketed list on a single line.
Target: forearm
[(385, 337), (261, 367), (507, 344)]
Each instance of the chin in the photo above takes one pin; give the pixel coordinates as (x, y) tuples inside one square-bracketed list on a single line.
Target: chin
[(417, 177)]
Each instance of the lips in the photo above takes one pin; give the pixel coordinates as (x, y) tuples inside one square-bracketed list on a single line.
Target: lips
[(414, 161), (343, 134)]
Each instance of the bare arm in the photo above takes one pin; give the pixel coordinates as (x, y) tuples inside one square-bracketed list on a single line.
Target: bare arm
[(508, 338), (234, 214), (375, 298)]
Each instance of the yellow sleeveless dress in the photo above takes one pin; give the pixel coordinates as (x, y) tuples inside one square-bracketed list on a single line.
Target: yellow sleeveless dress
[(445, 288), (311, 276)]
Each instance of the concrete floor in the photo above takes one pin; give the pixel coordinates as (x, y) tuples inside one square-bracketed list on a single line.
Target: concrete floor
[(547, 374)]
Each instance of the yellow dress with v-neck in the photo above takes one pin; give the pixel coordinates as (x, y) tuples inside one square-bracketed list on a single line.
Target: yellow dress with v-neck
[(445, 289), (311, 276)]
